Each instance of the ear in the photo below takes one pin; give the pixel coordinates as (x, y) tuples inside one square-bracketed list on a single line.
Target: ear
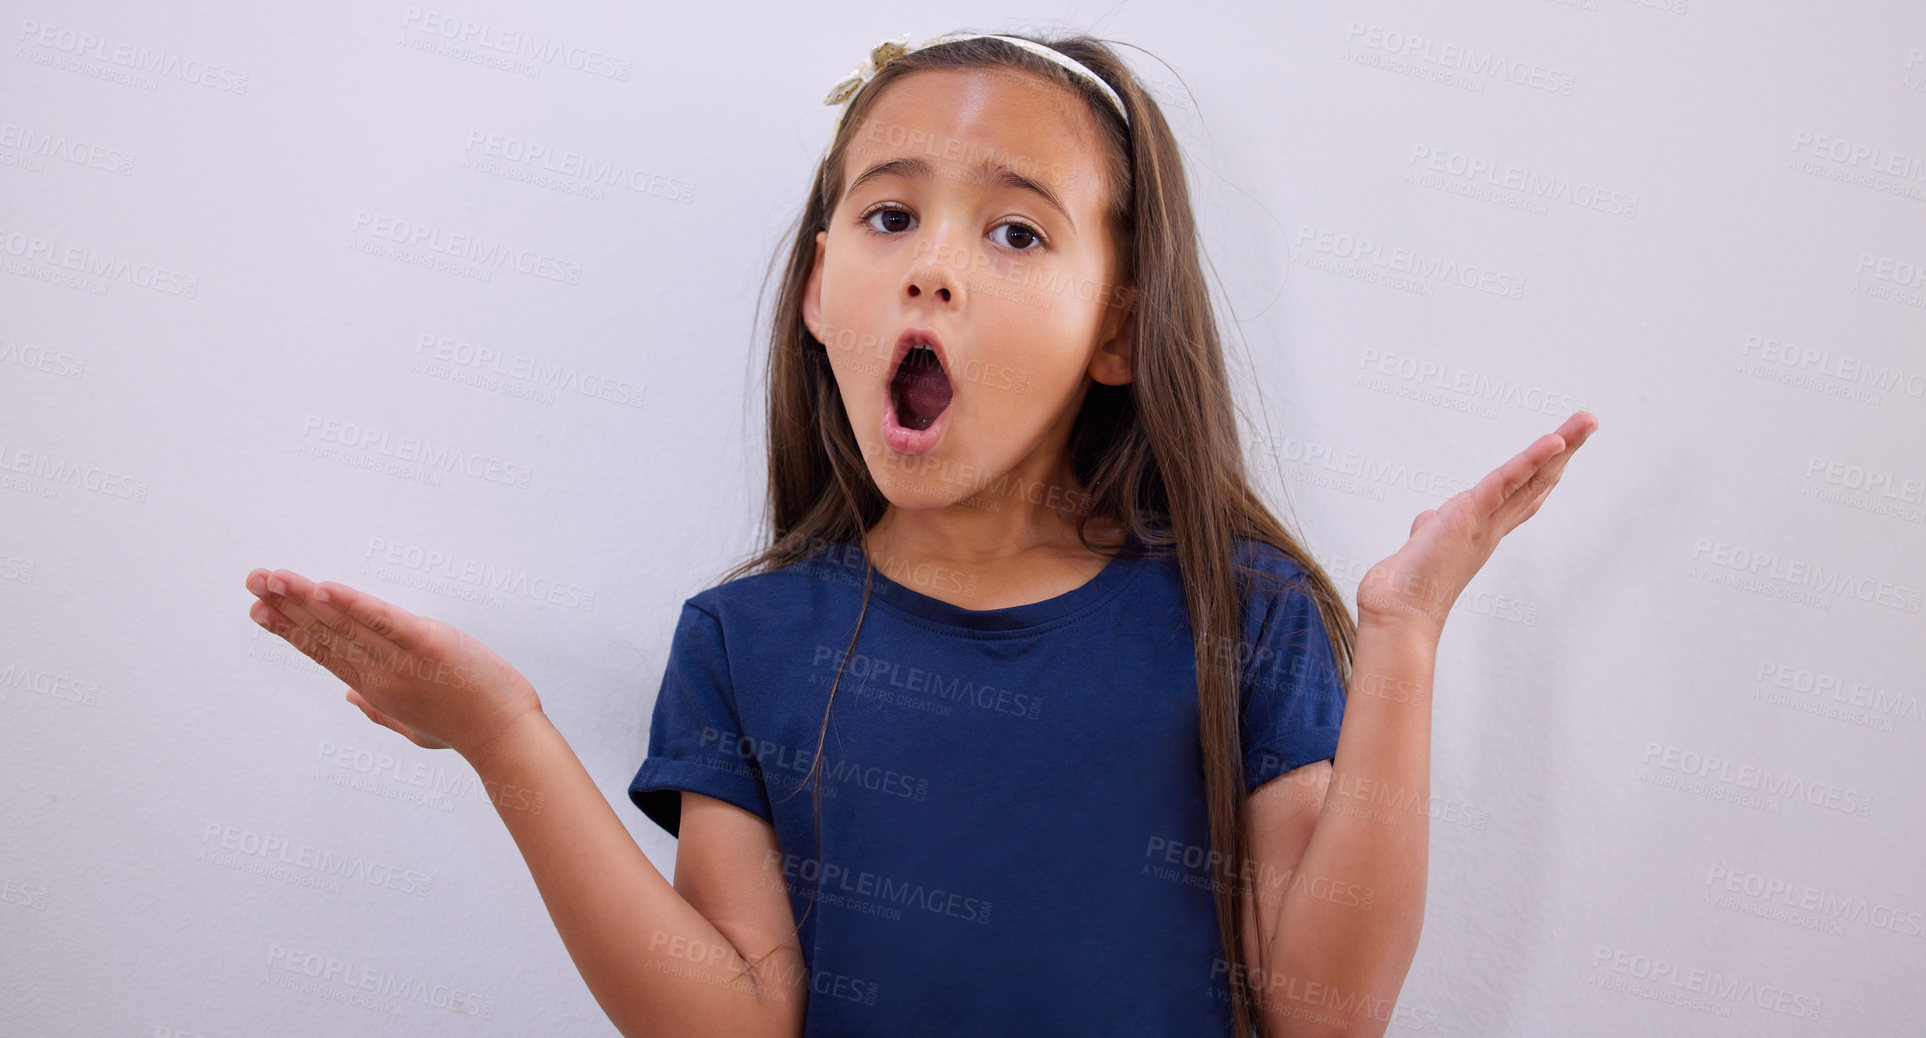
[(812, 300), (1110, 364)]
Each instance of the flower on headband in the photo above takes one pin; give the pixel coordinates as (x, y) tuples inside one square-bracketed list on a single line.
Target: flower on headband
[(882, 54)]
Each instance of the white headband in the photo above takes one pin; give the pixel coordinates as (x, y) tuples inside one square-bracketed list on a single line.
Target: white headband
[(888, 50)]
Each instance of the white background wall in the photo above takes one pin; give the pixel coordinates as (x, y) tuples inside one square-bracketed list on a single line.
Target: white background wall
[(1678, 733)]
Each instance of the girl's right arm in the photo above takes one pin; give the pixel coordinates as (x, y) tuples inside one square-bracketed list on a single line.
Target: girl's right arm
[(659, 959)]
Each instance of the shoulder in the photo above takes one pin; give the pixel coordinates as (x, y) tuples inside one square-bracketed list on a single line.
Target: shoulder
[(1279, 593), (804, 585), (1269, 568), (1252, 551)]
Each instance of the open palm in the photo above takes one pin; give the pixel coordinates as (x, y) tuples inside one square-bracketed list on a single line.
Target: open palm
[(1450, 543), (425, 678)]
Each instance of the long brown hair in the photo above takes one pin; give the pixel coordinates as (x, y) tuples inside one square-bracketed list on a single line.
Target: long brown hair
[(1159, 455)]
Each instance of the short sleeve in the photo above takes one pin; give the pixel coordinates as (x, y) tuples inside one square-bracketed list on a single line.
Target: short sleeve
[(696, 742), (1293, 693)]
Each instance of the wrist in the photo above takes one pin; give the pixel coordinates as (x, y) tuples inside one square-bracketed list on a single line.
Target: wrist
[(1413, 629), (500, 748)]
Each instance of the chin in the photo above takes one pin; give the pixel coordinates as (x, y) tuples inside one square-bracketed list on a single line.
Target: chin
[(915, 484)]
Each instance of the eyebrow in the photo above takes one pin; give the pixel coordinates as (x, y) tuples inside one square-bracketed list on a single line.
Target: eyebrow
[(987, 171)]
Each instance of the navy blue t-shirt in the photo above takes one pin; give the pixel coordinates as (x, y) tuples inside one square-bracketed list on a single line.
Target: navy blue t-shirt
[(1014, 836)]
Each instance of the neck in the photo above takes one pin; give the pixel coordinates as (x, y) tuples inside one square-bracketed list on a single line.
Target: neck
[(1016, 514)]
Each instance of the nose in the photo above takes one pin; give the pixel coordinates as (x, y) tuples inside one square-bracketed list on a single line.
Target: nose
[(933, 278), (930, 274)]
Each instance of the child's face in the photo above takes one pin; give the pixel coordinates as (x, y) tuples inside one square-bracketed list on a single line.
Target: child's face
[(1018, 294)]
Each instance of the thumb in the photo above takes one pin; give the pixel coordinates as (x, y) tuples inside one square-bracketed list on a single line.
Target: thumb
[(377, 716), (384, 720)]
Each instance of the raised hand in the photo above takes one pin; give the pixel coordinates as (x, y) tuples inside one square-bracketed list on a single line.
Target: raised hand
[(1450, 543), (417, 675)]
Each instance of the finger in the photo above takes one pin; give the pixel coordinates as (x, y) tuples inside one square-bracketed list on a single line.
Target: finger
[(270, 618), (1491, 492), (309, 635), (337, 633), (328, 602), (1578, 425), (1576, 430), (390, 624), (1522, 506), (278, 623), (1550, 460), (285, 592)]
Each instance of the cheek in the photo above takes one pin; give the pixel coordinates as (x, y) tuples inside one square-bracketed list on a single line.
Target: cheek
[(854, 276), (1040, 354), (857, 379), (848, 330)]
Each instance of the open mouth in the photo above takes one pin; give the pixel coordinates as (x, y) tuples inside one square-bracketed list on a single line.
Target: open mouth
[(921, 388)]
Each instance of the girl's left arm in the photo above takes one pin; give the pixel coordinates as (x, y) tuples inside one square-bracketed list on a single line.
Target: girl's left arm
[(1336, 937)]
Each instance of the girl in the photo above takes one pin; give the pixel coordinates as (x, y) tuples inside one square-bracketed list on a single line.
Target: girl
[(1111, 756)]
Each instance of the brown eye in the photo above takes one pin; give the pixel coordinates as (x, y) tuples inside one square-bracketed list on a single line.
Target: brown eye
[(888, 211), (1022, 237)]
